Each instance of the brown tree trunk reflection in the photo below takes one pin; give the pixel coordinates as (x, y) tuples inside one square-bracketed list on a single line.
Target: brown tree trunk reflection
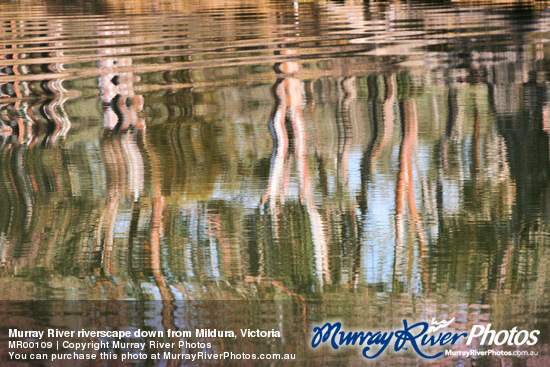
[(405, 191)]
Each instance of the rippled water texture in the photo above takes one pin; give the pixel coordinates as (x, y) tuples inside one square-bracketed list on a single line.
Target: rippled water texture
[(362, 161)]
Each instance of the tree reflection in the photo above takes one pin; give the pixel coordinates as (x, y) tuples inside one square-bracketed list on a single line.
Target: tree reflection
[(374, 179)]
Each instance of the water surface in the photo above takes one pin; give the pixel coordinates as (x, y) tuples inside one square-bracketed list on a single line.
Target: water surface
[(356, 161)]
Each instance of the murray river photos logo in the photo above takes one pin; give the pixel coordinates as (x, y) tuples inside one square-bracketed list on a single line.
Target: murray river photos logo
[(418, 336)]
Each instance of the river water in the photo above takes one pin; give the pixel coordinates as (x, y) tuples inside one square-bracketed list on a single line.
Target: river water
[(278, 164)]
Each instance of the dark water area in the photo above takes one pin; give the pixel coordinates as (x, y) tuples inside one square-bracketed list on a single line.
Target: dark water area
[(355, 161)]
